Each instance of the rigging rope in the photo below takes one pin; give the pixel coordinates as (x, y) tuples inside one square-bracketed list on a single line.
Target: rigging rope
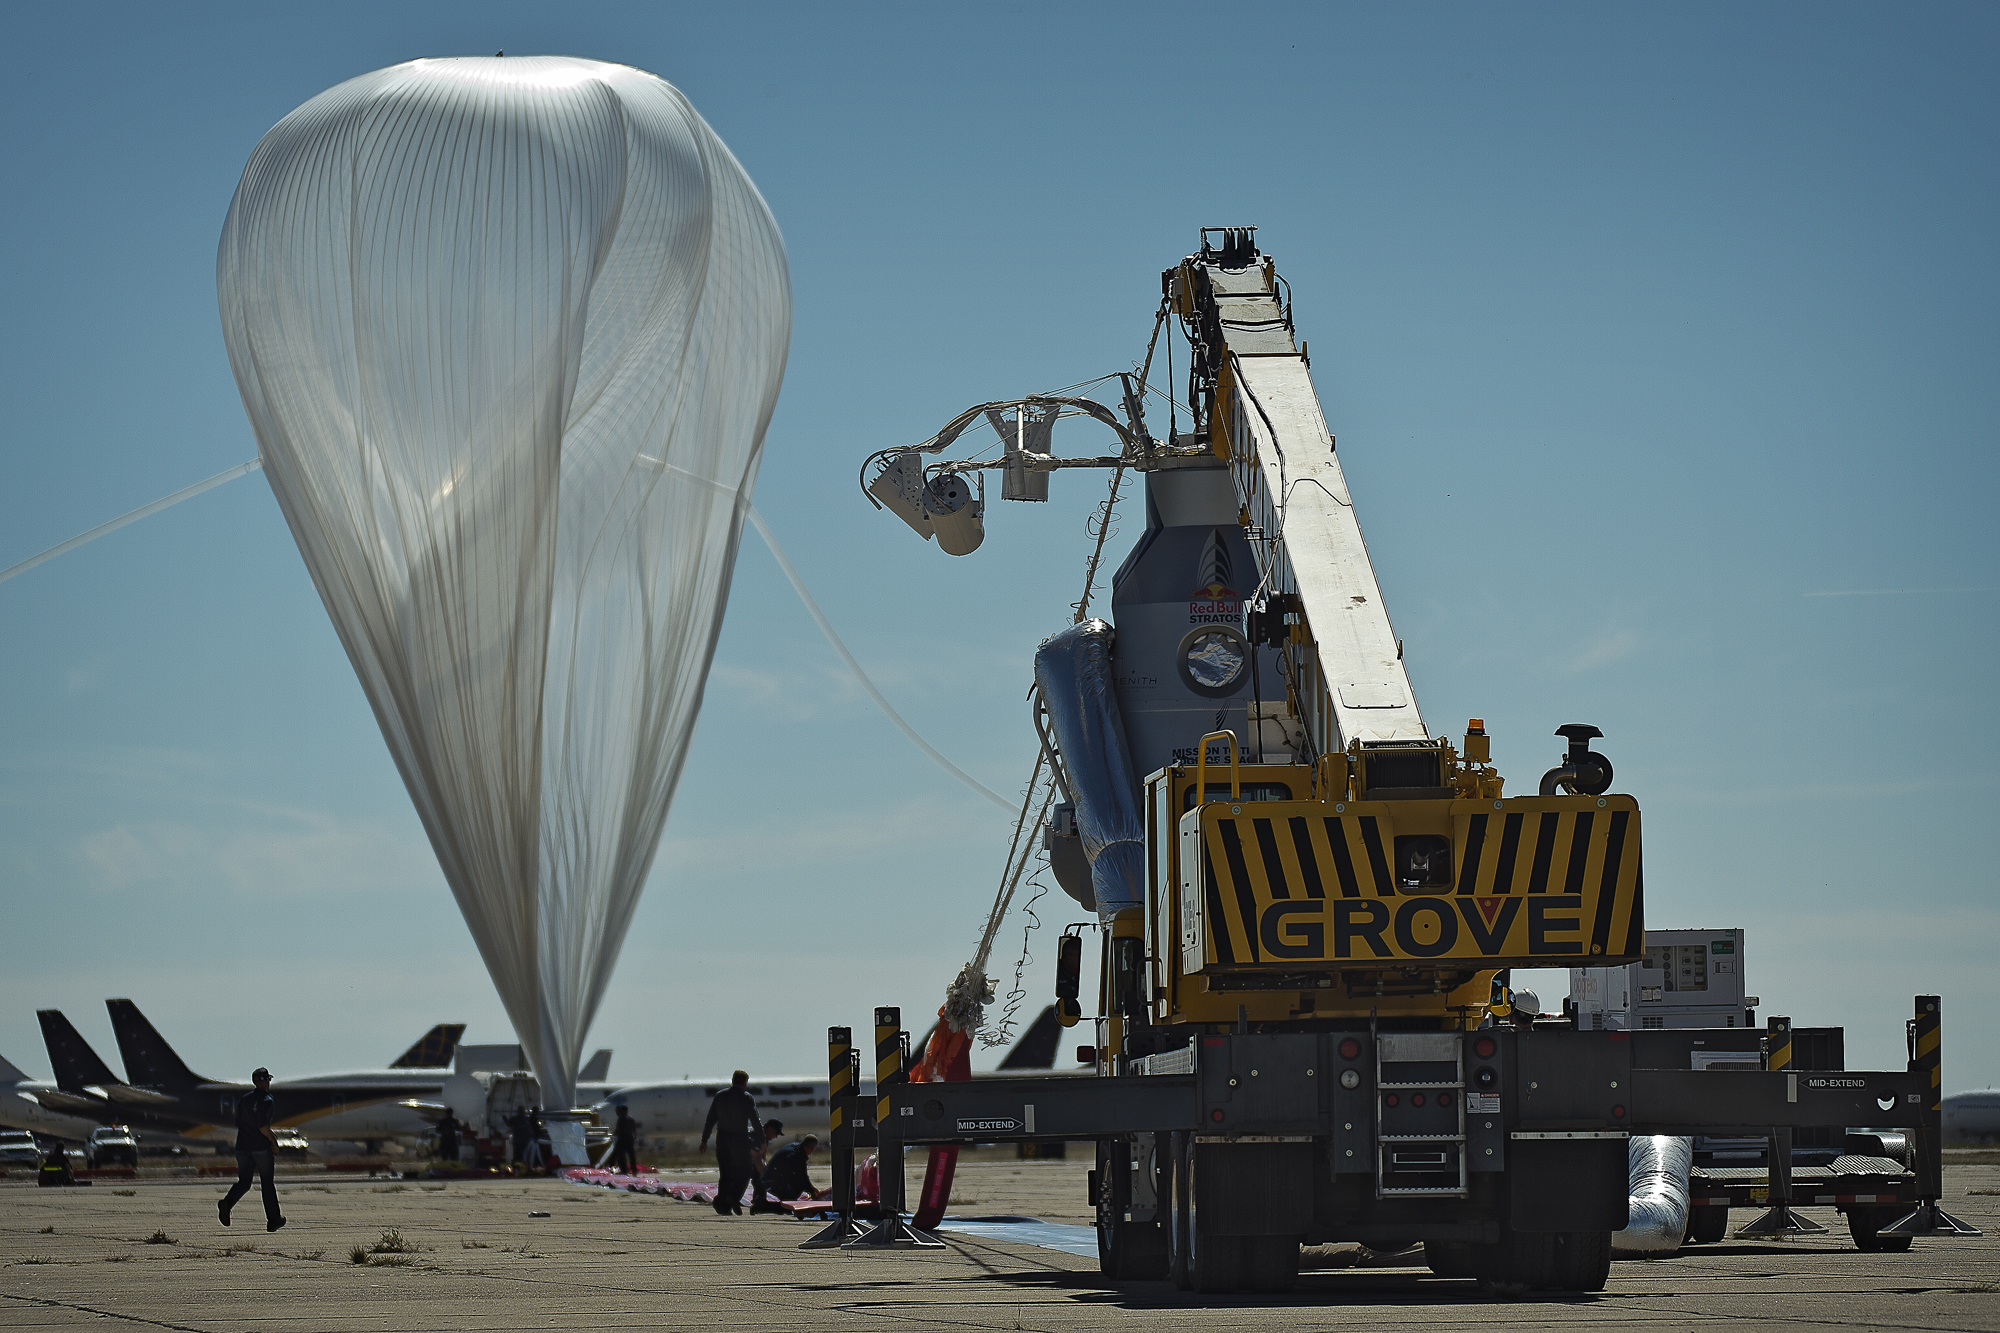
[(881, 701), (969, 993), (143, 511), (756, 521)]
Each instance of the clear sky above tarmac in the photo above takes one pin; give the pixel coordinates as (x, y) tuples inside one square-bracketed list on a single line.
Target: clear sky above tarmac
[(1659, 343)]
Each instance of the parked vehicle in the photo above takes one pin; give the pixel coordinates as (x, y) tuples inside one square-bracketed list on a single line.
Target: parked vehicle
[(18, 1148), (113, 1145)]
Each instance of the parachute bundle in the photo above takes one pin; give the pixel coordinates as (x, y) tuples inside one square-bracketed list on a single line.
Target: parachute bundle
[(509, 332)]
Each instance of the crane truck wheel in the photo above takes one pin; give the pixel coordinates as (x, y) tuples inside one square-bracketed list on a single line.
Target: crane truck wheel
[(1213, 1264), (1127, 1251), (1175, 1190), (1448, 1260), (1708, 1223), (1546, 1260), (1521, 1262), (1270, 1264), (1216, 1262), (1583, 1260), (1863, 1225)]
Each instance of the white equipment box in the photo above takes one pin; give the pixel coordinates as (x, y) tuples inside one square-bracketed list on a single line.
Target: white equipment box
[(1689, 979)]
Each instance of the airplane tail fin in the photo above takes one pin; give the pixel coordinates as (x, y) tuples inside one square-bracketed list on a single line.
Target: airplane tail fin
[(149, 1061), (597, 1069), (1037, 1047), (9, 1073), (433, 1050), (76, 1066)]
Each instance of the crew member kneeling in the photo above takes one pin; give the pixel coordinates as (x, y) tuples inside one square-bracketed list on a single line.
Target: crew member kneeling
[(785, 1175)]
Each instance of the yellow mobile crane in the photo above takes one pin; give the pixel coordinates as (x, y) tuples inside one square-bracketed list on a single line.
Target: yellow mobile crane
[(1309, 903)]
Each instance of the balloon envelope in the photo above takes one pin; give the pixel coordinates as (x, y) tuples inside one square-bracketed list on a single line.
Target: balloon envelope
[(509, 332)]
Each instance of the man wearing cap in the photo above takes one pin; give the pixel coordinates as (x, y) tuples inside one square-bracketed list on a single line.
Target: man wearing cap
[(732, 1122), (256, 1146)]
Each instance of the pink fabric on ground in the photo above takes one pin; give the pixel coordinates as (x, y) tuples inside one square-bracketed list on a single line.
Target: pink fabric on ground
[(688, 1191)]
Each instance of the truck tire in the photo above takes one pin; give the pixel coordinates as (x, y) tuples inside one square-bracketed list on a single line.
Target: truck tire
[(1582, 1260), (1449, 1260), (1864, 1225), (1270, 1264), (1526, 1261), (1127, 1251), (1708, 1224), (1521, 1262), (1214, 1263), (1175, 1188)]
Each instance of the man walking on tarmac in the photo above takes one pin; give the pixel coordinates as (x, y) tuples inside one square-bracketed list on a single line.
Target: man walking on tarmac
[(447, 1133), (732, 1120), (256, 1145), (625, 1142)]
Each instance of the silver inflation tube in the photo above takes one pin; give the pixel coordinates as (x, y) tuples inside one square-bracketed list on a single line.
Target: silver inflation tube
[(1658, 1166)]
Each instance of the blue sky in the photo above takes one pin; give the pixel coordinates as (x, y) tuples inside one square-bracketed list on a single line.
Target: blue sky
[(1660, 344)]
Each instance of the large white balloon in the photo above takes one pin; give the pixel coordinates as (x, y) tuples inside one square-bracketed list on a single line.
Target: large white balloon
[(509, 332)]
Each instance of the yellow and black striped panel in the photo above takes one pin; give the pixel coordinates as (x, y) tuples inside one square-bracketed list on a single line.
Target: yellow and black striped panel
[(888, 1057), (839, 1078), (1929, 1059), (1778, 1043), (1535, 881)]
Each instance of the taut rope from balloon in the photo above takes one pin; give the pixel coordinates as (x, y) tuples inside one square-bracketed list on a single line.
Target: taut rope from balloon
[(756, 521)]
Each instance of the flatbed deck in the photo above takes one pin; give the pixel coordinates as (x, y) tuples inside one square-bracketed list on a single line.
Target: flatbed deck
[(1856, 1180)]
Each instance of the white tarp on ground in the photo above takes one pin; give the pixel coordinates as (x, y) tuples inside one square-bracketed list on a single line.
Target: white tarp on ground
[(509, 332)]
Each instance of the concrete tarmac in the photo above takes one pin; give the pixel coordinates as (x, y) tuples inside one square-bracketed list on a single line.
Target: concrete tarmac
[(469, 1256)]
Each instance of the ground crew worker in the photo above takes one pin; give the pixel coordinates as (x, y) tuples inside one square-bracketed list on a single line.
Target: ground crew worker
[(625, 1142), (55, 1170), (785, 1177), (538, 1139), (773, 1131), (256, 1147), (517, 1125), (447, 1131), (732, 1121)]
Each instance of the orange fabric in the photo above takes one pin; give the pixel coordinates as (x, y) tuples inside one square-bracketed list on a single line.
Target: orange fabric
[(948, 1059)]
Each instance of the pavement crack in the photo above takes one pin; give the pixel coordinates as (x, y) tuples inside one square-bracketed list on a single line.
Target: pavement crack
[(102, 1314)]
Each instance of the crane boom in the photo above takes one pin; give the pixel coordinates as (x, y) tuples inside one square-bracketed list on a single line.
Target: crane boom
[(1342, 659)]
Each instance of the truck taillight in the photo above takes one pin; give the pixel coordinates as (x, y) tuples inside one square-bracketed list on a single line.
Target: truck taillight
[(1484, 1048), (1350, 1049)]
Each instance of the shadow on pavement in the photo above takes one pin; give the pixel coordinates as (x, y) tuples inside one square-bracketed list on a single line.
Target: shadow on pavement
[(1314, 1289)]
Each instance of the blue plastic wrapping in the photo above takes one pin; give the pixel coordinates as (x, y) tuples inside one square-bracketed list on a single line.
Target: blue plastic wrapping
[(1073, 669)]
